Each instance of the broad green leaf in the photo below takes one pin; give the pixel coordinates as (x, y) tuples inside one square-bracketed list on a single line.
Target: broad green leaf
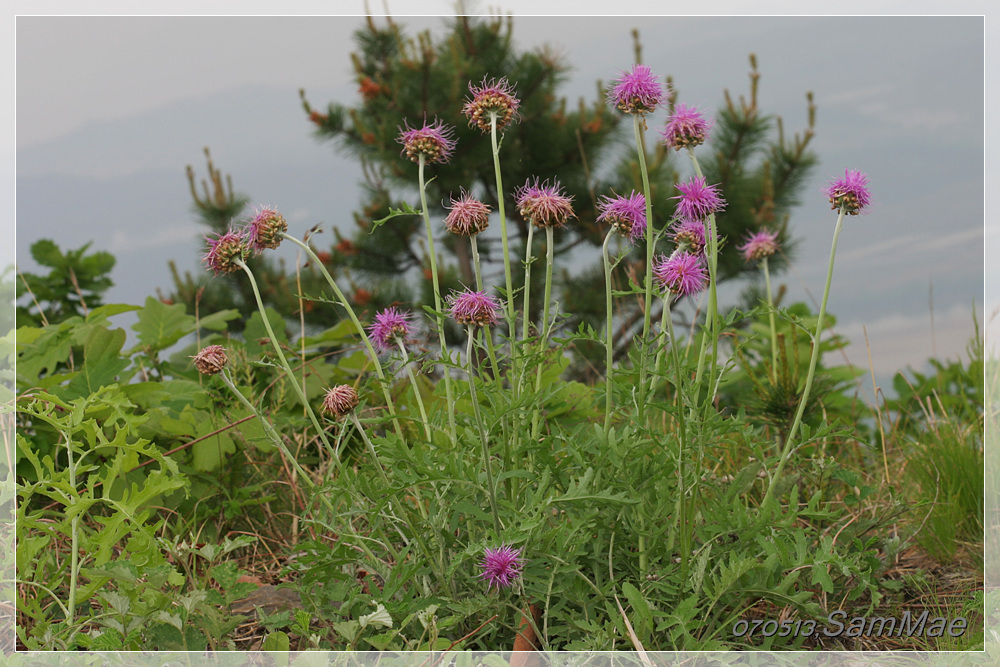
[(160, 325), (102, 362), (218, 321)]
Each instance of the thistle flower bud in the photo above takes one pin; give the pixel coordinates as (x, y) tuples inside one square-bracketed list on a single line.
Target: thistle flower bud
[(433, 141), (475, 308), (224, 251), (637, 91), (627, 215), (264, 230), (467, 216), (682, 273), (760, 245), (211, 360), (544, 205), (850, 192), (340, 400), (687, 128), (494, 99)]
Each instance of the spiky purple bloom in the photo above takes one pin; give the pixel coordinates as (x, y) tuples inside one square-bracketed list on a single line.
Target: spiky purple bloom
[(689, 235), (433, 141), (687, 128), (501, 567), (467, 215), (476, 308), (340, 400), (389, 327), (697, 200), (851, 192), (494, 98), (682, 273), (264, 230), (544, 205), (637, 91), (626, 214), (211, 360), (224, 250), (760, 245)]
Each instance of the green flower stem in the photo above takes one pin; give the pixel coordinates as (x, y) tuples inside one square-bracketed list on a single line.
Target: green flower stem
[(528, 259), (682, 525), (609, 365), (416, 389), (544, 343), (437, 303), (712, 313), (770, 314), (790, 440), (658, 366), (371, 448), (273, 435), (475, 263), (281, 356), (74, 527), (503, 222), (491, 482), (637, 124), (372, 354), (488, 335)]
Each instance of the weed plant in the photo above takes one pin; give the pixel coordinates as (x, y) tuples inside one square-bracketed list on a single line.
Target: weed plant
[(439, 497)]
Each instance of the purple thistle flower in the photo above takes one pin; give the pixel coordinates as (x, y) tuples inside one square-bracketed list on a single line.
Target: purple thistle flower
[(851, 192), (689, 235), (389, 326), (637, 91), (501, 567), (491, 99), (697, 200), (544, 205), (433, 141), (760, 245), (687, 128), (476, 308), (340, 400), (211, 360), (626, 214), (224, 251), (264, 230), (682, 273), (467, 215)]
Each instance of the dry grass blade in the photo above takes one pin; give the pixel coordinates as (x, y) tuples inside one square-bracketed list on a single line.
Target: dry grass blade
[(631, 633)]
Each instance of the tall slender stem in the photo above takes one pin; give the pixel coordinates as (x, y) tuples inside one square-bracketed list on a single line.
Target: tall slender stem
[(475, 263), (812, 369), (683, 528), (371, 448), (528, 259), (372, 354), (770, 315), (503, 222), (416, 389), (281, 356), (437, 302), (609, 346), (272, 434), (544, 338), (638, 123), (711, 313), (490, 481), (74, 527)]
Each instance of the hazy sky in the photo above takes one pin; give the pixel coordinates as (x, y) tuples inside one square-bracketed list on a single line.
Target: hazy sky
[(111, 109)]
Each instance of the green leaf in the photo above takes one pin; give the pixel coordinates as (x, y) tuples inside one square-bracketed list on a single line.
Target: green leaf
[(160, 325), (275, 641), (102, 363), (644, 615), (394, 213)]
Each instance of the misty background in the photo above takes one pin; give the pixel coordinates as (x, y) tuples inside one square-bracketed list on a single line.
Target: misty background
[(110, 110)]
